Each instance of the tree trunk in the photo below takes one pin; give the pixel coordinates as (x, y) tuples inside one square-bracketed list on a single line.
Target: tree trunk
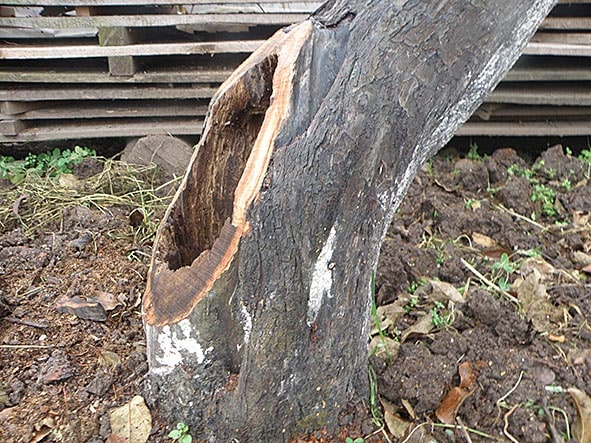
[(258, 298)]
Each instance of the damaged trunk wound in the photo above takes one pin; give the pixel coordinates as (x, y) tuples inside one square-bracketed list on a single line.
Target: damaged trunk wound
[(197, 221), (201, 230)]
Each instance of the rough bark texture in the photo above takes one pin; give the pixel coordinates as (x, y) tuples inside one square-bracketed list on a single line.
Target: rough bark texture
[(258, 298)]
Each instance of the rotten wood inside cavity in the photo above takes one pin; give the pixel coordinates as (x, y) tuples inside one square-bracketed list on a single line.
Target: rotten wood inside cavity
[(202, 229)]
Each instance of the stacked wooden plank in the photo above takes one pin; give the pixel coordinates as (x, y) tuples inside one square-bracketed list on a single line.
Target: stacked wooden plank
[(548, 91), (73, 69)]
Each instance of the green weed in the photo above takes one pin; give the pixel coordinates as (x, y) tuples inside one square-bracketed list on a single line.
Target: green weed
[(51, 164), (180, 434)]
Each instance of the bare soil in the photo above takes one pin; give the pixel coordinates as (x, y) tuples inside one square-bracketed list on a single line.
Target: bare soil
[(467, 222)]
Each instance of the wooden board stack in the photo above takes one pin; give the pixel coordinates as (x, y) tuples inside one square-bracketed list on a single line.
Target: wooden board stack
[(75, 69)]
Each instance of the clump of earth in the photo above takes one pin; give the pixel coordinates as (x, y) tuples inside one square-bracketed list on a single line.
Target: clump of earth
[(482, 290)]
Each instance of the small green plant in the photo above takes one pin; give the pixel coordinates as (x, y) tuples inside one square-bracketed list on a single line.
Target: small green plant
[(567, 185), (546, 196), (411, 304), (440, 316), (502, 271), (473, 153), (357, 440), (181, 434), (585, 156), (50, 164), (471, 203)]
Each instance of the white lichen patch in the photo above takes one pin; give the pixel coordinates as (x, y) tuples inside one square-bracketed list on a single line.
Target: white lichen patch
[(246, 322), (321, 278), (173, 345)]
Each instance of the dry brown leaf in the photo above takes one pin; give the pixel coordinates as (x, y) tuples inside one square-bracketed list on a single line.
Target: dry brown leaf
[(580, 218), (531, 293), (582, 428), (580, 356), (537, 263), (108, 358), (397, 426), (393, 311), (132, 421), (107, 300), (383, 326), (580, 258), (422, 326), (443, 291), (448, 409), (384, 347), (483, 241), (409, 409), (85, 309)]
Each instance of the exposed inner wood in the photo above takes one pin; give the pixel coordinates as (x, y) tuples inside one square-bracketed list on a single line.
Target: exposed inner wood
[(202, 229)]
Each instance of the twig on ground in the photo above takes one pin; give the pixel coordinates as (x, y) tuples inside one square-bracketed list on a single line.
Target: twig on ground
[(33, 324), (489, 283), (507, 394), (463, 430), (556, 437), (506, 426)]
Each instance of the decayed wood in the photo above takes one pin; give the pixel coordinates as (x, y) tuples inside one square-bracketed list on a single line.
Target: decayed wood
[(106, 93), (103, 129), (144, 49), (258, 296)]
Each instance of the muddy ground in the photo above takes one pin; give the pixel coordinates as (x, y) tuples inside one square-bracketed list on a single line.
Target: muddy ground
[(474, 277)]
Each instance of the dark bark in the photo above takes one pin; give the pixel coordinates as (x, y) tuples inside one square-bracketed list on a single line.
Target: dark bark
[(258, 298)]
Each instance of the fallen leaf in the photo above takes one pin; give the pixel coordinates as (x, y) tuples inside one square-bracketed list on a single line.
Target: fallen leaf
[(42, 429), (107, 300), (580, 218), (579, 257), (483, 241), (582, 428), (580, 357), (384, 347), (113, 438), (87, 310), (531, 293), (443, 291), (448, 409), (393, 311), (397, 426), (383, 326), (409, 409), (108, 358), (422, 326), (132, 421), (537, 263)]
